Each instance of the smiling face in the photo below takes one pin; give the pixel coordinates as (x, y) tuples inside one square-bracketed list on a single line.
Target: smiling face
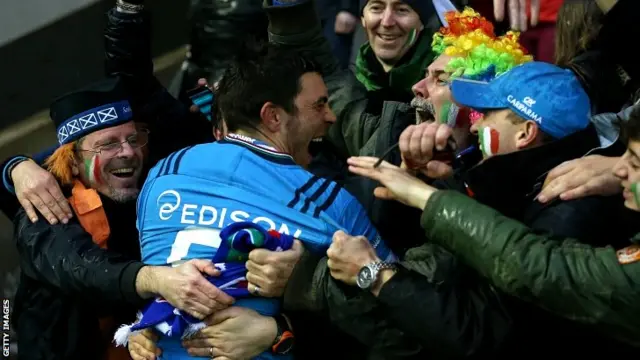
[(628, 171), (433, 101), (392, 28), (310, 120), (110, 161)]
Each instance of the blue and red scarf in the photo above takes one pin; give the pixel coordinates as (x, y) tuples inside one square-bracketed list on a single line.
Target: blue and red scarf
[(238, 240)]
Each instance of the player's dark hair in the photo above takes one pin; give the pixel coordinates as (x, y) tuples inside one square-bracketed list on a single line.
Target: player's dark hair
[(260, 73), (630, 129)]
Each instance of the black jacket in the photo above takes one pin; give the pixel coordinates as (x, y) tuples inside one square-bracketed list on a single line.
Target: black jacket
[(67, 281), (218, 29), (510, 184)]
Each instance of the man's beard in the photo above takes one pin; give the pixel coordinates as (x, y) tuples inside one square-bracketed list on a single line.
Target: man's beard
[(123, 195), (425, 111)]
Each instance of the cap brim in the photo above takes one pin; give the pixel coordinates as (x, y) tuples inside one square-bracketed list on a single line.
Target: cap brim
[(474, 94)]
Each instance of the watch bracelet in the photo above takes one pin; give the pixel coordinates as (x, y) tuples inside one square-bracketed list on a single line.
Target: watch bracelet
[(129, 6)]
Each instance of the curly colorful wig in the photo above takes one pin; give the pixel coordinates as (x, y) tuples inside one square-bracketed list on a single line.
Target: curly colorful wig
[(478, 53)]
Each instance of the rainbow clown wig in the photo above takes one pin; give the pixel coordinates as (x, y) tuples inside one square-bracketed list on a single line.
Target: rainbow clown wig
[(478, 53)]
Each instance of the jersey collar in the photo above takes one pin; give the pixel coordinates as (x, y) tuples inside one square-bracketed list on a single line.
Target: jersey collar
[(260, 148)]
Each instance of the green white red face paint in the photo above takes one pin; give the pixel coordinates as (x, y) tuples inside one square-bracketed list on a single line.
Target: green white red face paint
[(411, 39), (489, 141), (635, 189), (92, 169)]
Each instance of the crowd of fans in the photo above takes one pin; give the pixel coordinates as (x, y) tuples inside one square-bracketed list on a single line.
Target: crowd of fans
[(468, 188)]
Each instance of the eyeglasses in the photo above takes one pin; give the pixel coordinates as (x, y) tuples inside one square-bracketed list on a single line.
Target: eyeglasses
[(137, 140)]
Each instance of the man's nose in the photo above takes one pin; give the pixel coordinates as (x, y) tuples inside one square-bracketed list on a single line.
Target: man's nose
[(388, 18), (420, 88), (474, 128), (331, 116), (126, 151), (620, 170)]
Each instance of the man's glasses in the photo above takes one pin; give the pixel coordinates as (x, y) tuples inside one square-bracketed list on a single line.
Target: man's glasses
[(137, 140)]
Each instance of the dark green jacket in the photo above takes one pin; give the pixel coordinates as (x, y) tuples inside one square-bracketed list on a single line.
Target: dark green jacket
[(572, 280)]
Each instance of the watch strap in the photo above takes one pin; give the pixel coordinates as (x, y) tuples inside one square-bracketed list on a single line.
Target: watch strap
[(283, 333), (129, 6)]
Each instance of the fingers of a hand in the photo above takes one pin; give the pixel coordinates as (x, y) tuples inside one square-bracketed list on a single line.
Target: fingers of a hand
[(383, 193), (198, 305), (139, 352), (420, 145), (576, 193), (57, 194), (438, 170), (535, 12), (405, 136), (370, 173), (202, 82), (221, 358), (268, 287), (201, 347), (143, 341), (28, 208), (43, 209), (560, 170), (213, 293), (561, 184), (363, 161), (498, 9), (514, 14), (522, 8), (443, 133), (54, 207), (205, 266)]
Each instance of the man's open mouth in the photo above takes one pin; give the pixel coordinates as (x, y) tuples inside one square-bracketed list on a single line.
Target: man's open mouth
[(123, 173)]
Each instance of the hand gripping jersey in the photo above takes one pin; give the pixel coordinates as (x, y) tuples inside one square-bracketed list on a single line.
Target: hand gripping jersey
[(195, 192)]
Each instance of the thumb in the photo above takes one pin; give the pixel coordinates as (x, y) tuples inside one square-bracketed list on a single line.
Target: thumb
[(206, 266), (297, 246), (219, 316), (383, 193)]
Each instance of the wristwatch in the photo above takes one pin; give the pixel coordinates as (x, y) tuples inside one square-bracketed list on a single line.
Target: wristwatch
[(284, 341), (368, 274)]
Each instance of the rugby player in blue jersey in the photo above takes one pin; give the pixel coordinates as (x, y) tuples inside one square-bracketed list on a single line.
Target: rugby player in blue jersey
[(274, 103)]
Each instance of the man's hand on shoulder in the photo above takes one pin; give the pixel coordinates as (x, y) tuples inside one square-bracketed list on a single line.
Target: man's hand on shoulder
[(37, 189), (184, 287)]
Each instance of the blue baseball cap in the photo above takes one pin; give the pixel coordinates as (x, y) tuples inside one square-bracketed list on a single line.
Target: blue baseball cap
[(537, 91)]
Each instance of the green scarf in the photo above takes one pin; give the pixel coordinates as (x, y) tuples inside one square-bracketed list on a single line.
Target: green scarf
[(401, 77)]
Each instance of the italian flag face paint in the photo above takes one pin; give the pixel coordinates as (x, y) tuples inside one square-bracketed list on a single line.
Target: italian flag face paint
[(489, 141), (411, 39), (444, 113), (92, 169), (635, 189)]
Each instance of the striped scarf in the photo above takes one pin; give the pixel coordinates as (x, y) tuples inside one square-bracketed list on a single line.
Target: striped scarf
[(238, 240)]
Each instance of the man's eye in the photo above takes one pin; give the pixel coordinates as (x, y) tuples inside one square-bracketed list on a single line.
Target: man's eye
[(109, 146)]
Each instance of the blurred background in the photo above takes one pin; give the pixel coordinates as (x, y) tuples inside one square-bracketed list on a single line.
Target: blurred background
[(50, 47)]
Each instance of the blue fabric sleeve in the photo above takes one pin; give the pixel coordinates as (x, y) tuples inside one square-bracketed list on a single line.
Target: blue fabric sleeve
[(6, 177), (355, 221), (282, 3), (39, 158)]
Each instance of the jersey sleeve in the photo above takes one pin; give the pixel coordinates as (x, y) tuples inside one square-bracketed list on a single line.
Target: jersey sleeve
[(355, 222)]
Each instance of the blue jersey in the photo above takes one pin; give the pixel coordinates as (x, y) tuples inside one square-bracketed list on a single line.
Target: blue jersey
[(195, 192)]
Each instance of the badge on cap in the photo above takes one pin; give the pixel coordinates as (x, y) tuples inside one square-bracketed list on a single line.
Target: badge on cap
[(628, 255)]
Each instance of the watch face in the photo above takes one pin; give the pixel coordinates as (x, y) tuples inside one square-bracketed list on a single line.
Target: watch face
[(365, 277)]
